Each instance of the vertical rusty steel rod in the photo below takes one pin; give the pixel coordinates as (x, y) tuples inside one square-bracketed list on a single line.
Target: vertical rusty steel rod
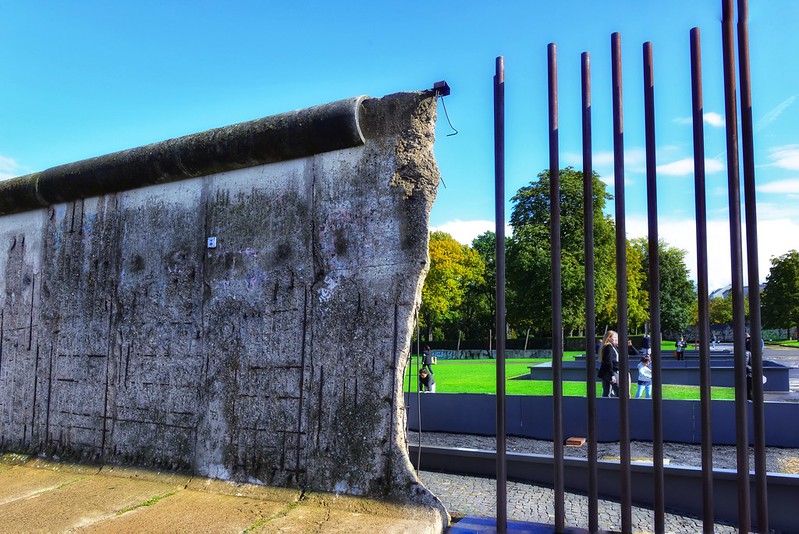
[(499, 200), (557, 317), (750, 208), (590, 295), (702, 279), (621, 286), (654, 285), (736, 261)]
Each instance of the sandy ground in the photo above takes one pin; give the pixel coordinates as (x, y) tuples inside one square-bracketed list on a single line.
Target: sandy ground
[(42, 496)]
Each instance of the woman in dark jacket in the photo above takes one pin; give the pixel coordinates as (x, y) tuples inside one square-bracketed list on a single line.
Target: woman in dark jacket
[(609, 369), (427, 359)]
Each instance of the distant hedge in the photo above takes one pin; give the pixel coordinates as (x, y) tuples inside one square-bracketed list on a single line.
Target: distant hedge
[(570, 343)]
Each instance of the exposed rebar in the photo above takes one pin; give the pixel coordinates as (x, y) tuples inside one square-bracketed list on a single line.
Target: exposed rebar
[(702, 279), (590, 294), (499, 198), (736, 262), (621, 286), (557, 304)]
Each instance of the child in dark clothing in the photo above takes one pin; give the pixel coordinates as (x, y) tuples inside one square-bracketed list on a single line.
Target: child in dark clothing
[(426, 381)]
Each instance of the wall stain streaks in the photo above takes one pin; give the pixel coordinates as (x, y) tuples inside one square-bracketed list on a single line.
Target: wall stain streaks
[(271, 356)]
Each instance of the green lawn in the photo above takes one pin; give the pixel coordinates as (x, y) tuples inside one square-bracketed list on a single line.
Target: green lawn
[(479, 376)]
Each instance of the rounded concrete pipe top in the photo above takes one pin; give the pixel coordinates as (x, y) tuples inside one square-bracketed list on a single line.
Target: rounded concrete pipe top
[(296, 134)]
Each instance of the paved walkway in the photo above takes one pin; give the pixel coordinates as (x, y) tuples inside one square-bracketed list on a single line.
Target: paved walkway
[(474, 496), (788, 356), (40, 496)]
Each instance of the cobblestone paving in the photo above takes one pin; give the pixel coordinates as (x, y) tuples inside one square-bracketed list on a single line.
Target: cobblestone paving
[(474, 496)]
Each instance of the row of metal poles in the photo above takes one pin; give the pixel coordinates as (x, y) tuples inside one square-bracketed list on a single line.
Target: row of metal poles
[(739, 325)]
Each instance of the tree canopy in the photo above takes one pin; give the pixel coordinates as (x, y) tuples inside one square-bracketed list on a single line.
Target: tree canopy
[(677, 291), (454, 270), (528, 255), (458, 296), (780, 300)]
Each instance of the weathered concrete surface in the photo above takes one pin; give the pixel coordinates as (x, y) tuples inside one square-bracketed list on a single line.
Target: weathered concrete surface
[(275, 357), (297, 134), (42, 496)]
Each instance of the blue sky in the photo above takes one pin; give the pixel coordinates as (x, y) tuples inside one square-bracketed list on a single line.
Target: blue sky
[(86, 78)]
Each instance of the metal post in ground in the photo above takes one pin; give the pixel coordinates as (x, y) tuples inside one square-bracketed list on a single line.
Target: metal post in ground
[(499, 199), (654, 283), (590, 294), (750, 208), (702, 280), (621, 286), (736, 261), (557, 317)]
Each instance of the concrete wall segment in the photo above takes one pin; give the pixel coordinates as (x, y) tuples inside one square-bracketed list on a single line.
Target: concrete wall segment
[(287, 136), (277, 356)]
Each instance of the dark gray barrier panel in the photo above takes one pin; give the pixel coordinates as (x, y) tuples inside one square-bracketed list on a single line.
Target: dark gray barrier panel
[(683, 485), (531, 417), (297, 134), (669, 355), (684, 372)]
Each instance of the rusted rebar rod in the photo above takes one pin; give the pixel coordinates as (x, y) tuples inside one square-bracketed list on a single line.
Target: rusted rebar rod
[(736, 262), (750, 208), (702, 279), (590, 294), (499, 201), (557, 316), (621, 286), (654, 285)]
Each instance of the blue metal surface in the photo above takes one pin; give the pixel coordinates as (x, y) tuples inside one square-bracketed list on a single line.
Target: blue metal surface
[(488, 525)]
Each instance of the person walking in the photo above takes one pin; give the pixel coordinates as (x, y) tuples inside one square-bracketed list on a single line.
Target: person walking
[(680, 348), (609, 368), (427, 359), (644, 378), (646, 345)]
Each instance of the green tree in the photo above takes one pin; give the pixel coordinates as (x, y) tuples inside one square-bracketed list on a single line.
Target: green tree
[(454, 268), (677, 291), (780, 301), (720, 310), (637, 294), (477, 308), (528, 258)]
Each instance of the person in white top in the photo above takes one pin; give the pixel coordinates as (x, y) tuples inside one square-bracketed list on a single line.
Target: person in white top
[(644, 378)]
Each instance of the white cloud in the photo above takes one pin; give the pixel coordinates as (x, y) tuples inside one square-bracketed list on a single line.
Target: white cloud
[(464, 232), (785, 187), (681, 233), (773, 227), (772, 115), (714, 119), (778, 210), (785, 157), (710, 118), (681, 167), (9, 168), (685, 167), (634, 160)]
